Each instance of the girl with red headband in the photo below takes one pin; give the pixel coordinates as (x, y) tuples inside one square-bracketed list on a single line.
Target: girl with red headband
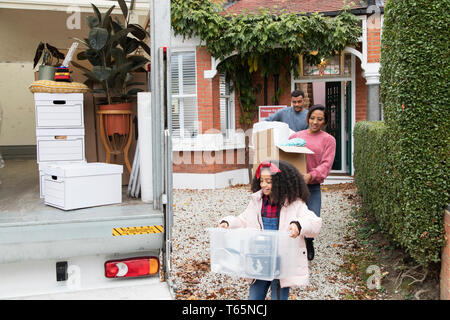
[(278, 202)]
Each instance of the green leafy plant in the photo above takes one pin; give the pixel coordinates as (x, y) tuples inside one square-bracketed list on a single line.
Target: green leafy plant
[(48, 53), (414, 91), (397, 190), (111, 50)]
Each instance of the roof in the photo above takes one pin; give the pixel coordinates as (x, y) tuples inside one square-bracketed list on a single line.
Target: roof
[(295, 6)]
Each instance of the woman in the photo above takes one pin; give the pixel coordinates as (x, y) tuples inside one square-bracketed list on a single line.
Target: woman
[(318, 165)]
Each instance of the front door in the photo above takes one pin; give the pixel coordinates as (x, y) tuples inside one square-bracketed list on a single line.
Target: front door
[(333, 109)]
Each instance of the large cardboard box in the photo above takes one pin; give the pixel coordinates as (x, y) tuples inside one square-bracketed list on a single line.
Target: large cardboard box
[(81, 185), (266, 147)]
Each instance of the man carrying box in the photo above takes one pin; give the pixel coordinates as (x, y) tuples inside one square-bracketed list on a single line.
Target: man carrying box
[(294, 116)]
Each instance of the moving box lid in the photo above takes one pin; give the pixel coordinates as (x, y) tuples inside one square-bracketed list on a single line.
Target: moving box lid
[(42, 165), (58, 96), (82, 169), (294, 149)]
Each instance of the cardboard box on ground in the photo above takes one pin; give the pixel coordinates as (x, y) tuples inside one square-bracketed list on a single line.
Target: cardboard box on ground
[(268, 137), (94, 149)]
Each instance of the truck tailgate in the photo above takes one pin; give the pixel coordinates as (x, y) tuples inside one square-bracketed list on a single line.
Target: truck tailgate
[(54, 233)]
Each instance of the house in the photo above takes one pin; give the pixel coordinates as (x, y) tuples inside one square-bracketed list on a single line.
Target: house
[(208, 140)]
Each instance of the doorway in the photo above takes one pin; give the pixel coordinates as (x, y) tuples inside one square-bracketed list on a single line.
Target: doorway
[(333, 109), (336, 96)]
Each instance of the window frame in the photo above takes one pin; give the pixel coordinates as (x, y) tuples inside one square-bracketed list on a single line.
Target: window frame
[(227, 124), (181, 131)]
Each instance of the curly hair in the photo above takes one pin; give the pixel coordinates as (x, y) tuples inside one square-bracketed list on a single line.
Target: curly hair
[(287, 185)]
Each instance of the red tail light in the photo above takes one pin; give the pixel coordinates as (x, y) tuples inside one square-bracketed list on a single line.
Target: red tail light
[(132, 267)]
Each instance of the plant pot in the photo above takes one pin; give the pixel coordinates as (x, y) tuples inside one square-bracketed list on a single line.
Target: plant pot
[(116, 123), (46, 72)]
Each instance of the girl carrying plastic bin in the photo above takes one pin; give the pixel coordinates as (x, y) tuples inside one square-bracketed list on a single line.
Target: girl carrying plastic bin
[(279, 203)]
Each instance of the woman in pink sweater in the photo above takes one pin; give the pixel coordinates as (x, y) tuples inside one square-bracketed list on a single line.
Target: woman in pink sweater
[(318, 165)]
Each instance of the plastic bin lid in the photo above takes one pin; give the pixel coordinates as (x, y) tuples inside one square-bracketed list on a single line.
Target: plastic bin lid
[(82, 169)]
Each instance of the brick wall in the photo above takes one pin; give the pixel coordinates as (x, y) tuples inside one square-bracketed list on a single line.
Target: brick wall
[(445, 264), (361, 94), (373, 45), (373, 39), (204, 90)]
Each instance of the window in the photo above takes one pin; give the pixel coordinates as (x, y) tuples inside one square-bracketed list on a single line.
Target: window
[(184, 94), (227, 122), (336, 66)]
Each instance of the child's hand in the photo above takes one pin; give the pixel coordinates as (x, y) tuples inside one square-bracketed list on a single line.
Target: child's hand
[(293, 230), (223, 224)]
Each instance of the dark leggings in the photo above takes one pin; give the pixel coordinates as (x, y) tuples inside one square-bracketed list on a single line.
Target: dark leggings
[(315, 199)]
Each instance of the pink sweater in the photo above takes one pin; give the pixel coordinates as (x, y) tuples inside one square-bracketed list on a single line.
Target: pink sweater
[(319, 164)]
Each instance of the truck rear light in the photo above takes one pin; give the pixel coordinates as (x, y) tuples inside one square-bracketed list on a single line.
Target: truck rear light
[(132, 267)]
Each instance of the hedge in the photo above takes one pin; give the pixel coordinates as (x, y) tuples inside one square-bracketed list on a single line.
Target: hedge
[(411, 153), (371, 169)]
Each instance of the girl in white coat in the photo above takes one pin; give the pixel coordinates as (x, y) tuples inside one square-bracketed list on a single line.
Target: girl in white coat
[(279, 203)]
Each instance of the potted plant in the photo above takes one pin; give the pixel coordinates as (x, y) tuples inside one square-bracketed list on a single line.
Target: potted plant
[(48, 65), (110, 49)]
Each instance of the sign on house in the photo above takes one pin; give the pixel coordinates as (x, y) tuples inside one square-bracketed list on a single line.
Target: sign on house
[(266, 111)]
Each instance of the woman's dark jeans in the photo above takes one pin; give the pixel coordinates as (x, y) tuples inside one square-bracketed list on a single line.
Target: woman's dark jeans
[(314, 203), (315, 199)]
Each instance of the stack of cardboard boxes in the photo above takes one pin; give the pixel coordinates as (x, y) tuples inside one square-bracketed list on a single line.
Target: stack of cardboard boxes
[(64, 173)]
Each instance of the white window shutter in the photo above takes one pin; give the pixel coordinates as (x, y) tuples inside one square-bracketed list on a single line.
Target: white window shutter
[(184, 94), (226, 106)]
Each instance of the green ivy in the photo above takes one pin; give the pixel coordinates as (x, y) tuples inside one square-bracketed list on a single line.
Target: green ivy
[(402, 168), (262, 41)]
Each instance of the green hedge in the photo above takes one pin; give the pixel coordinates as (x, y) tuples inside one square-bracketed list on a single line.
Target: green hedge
[(405, 165), (411, 213), (371, 169)]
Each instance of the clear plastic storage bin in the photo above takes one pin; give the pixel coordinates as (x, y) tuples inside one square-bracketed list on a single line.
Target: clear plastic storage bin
[(250, 253)]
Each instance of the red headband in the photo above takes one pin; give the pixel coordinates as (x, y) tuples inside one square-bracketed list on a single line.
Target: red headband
[(273, 168)]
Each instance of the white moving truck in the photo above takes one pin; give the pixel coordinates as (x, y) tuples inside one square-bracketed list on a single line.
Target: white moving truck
[(105, 252)]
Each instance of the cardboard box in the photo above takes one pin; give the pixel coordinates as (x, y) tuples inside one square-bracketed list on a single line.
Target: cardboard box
[(42, 166), (80, 185), (59, 110), (55, 145), (266, 148)]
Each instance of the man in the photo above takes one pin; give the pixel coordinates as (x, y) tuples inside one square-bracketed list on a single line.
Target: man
[(294, 116)]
